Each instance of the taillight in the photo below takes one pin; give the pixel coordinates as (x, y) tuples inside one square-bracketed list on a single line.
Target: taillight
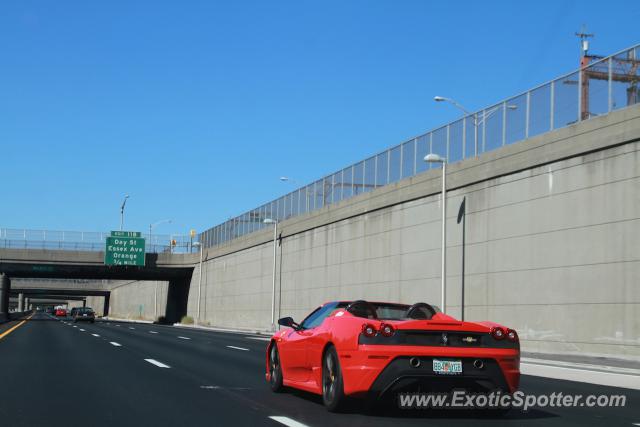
[(512, 335), (386, 330), (368, 330), (498, 333)]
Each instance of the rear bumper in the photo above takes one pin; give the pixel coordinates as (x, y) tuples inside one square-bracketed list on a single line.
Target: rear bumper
[(374, 371)]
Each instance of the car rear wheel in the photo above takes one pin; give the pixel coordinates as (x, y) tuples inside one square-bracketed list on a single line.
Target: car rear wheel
[(275, 370), (332, 385)]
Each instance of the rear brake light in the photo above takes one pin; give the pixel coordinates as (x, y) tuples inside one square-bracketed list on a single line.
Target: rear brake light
[(386, 330), (369, 330), (498, 333), (512, 335)]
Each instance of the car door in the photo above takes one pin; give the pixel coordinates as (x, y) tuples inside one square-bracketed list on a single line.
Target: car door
[(293, 355), (294, 358)]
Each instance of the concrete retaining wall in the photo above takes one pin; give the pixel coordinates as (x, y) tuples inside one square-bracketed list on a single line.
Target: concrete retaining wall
[(141, 300), (553, 232)]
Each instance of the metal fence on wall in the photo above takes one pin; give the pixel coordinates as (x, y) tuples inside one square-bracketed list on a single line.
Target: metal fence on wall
[(87, 241), (605, 85)]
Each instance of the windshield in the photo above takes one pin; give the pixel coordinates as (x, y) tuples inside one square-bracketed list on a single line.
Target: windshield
[(391, 311)]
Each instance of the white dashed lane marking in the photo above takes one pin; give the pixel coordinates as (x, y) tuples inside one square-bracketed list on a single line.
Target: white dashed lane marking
[(184, 338), (288, 421), (152, 332), (81, 330), (95, 335), (156, 363), (237, 348), (115, 344), (259, 338)]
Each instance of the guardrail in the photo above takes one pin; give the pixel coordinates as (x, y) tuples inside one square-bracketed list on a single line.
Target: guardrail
[(605, 85), (87, 241)]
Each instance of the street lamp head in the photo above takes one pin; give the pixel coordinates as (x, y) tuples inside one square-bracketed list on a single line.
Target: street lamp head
[(269, 221), (284, 178), (439, 98), (434, 158), (512, 107)]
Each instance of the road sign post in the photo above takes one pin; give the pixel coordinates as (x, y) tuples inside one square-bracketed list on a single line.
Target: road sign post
[(125, 248)]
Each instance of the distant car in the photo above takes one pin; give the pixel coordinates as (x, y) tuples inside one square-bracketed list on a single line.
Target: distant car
[(85, 314), (375, 349), (61, 312), (72, 313)]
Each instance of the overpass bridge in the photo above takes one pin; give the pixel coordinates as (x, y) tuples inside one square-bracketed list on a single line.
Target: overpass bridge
[(44, 273)]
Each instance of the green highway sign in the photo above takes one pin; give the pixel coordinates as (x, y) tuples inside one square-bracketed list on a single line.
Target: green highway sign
[(126, 234), (124, 250)]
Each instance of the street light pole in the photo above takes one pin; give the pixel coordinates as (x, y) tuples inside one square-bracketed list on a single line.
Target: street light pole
[(124, 202), (273, 284), (199, 282), (434, 158), (476, 122)]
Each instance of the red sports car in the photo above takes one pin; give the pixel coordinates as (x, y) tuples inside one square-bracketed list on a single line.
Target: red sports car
[(61, 312), (373, 350)]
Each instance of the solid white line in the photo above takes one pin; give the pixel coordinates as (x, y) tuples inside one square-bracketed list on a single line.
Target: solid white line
[(259, 338), (288, 421), (158, 364), (152, 332), (237, 348), (95, 335), (184, 338), (115, 344), (581, 375), (591, 367)]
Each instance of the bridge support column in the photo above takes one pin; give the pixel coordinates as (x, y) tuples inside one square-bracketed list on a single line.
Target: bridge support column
[(84, 303), (5, 287), (21, 302), (27, 301), (105, 309)]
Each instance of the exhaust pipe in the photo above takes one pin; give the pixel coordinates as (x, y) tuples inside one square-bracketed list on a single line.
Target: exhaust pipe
[(478, 364), (414, 362)]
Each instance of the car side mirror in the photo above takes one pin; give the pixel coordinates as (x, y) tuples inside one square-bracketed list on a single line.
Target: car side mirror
[(288, 322)]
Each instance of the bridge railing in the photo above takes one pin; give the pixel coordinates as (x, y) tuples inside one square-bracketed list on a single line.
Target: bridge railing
[(603, 86), (87, 241)]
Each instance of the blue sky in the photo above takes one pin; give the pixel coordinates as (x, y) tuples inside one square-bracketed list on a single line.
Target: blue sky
[(196, 108)]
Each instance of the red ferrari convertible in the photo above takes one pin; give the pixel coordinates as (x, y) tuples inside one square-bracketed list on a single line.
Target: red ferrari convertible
[(372, 350)]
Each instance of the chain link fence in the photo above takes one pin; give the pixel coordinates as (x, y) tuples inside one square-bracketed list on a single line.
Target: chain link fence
[(88, 241), (603, 86)]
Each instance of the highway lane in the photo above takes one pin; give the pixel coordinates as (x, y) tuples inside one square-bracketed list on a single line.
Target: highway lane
[(127, 373), (58, 373)]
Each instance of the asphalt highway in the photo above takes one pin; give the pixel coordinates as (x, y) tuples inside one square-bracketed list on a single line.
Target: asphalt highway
[(55, 372)]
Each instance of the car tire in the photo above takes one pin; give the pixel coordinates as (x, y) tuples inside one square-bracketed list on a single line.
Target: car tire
[(332, 385), (275, 369)]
